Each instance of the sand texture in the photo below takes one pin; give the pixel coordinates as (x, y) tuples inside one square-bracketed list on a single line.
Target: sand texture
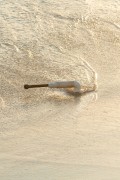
[(49, 134)]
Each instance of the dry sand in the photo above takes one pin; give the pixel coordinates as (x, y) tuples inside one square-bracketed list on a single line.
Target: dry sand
[(48, 134)]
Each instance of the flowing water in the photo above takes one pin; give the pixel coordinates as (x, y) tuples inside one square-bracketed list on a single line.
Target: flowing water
[(51, 134)]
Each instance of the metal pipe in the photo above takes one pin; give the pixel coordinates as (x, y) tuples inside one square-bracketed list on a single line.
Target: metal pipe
[(58, 84), (26, 86)]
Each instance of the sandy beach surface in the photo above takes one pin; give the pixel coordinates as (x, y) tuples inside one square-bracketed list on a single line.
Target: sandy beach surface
[(50, 134)]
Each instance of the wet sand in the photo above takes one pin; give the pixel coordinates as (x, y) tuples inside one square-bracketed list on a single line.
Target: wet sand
[(49, 134)]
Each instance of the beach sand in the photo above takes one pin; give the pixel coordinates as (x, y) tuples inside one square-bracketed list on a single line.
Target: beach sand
[(49, 134)]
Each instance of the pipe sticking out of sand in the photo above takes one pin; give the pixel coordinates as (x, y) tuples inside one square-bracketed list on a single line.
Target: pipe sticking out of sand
[(27, 86), (58, 84)]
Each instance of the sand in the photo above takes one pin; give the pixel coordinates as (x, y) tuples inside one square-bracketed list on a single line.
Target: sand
[(50, 134)]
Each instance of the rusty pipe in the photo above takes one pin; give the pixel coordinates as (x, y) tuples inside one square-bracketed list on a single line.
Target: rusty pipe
[(58, 84)]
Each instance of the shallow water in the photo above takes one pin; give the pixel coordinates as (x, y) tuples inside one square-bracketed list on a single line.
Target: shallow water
[(50, 134)]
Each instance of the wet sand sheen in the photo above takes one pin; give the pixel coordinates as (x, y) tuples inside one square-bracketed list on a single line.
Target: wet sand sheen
[(48, 134)]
